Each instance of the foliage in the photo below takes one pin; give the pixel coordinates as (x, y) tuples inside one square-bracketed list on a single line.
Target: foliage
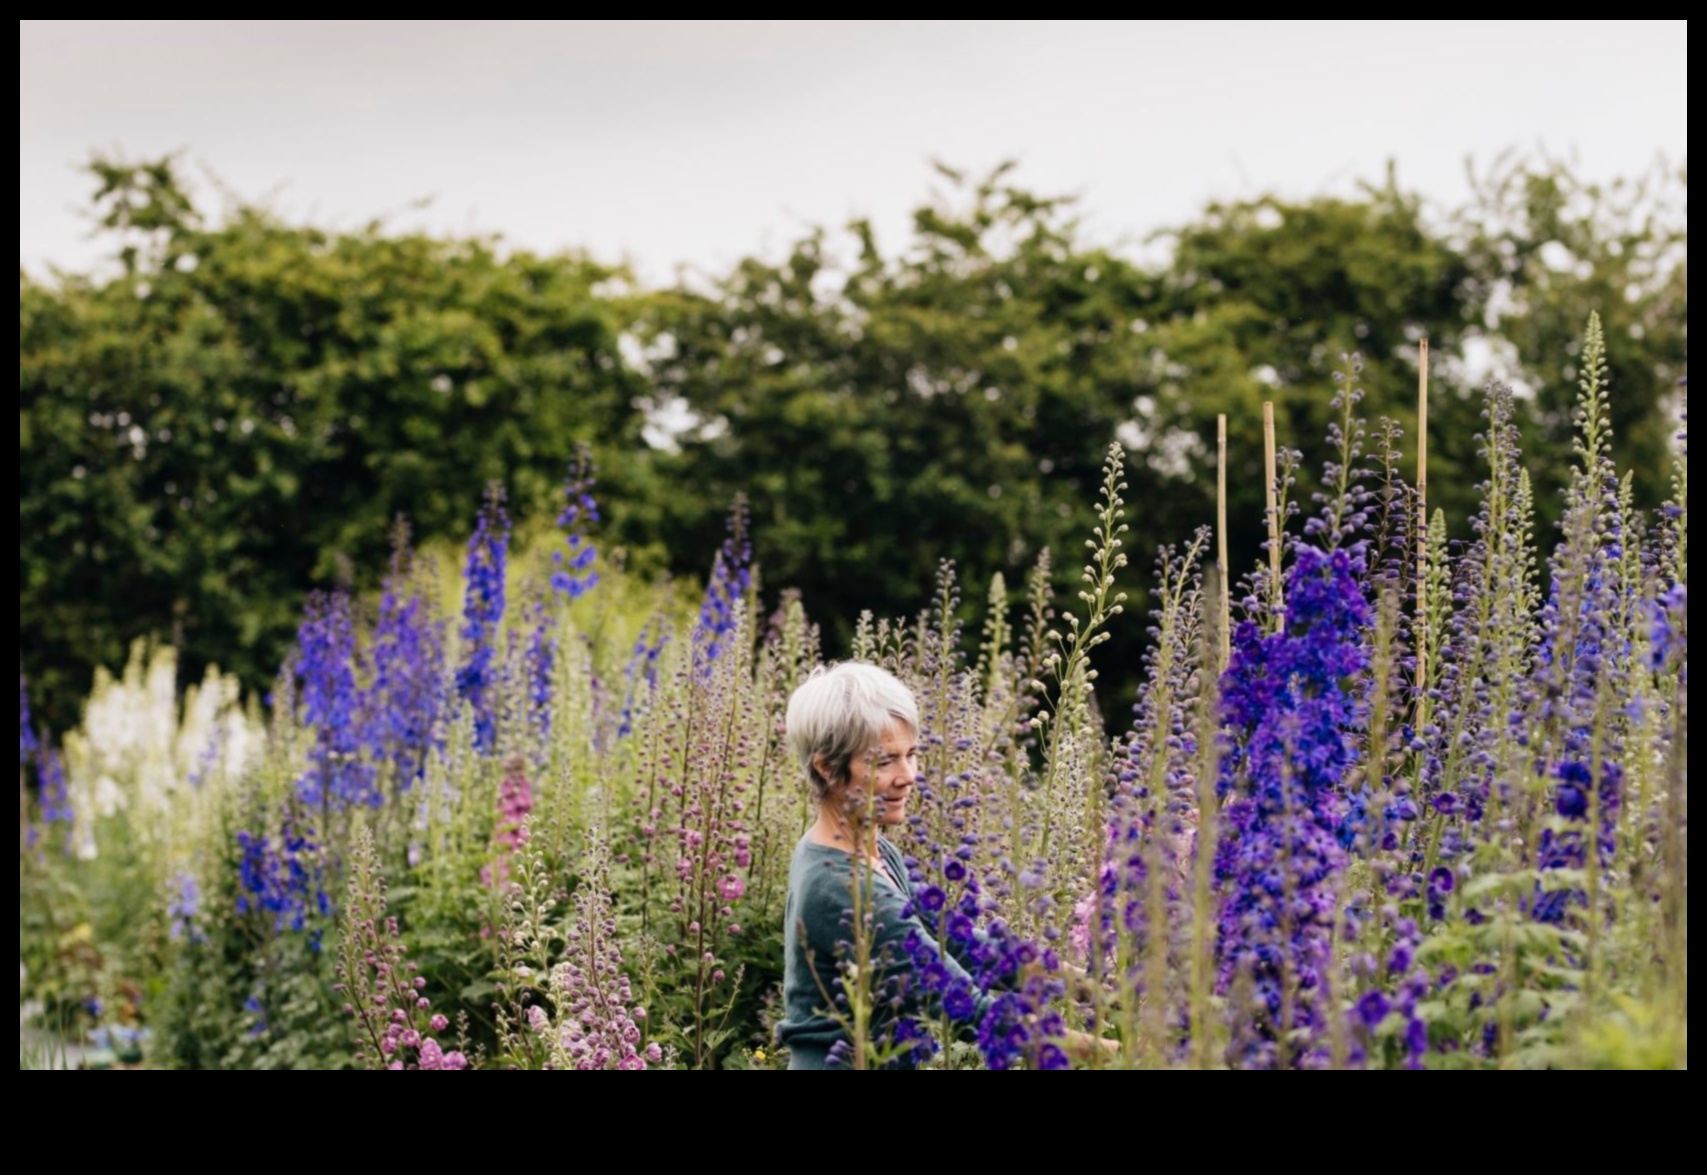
[(245, 405), (235, 411)]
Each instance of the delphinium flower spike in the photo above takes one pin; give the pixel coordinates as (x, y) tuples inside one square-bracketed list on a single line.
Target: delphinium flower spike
[(731, 577), (1292, 723), (403, 703), (339, 774), (573, 575), (26, 734), (482, 613)]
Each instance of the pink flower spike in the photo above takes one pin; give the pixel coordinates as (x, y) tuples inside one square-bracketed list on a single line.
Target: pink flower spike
[(440, 1022)]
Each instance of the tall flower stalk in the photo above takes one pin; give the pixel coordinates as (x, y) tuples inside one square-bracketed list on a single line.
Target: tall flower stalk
[(482, 613)]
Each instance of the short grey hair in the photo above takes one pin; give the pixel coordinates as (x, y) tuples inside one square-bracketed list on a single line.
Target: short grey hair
[(841, 711)]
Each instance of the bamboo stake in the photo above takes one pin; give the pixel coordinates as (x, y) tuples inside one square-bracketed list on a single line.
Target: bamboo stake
[(1277, 591), (1422, 515), (1221, 542)]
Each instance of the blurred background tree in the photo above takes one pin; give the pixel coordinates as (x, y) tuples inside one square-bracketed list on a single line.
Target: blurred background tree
[(236, 413)]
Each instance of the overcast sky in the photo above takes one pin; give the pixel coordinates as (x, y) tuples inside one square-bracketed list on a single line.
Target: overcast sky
[(694, 143)]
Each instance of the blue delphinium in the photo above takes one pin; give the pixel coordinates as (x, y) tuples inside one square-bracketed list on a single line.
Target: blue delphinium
[(26, 735), (1152, 827), (573, 575), (731, 578), (1582, 654), (540, 662), (281, 876), (1292, 723), (182, 910), (1025, 981), (1671, 614), (55, 796), (482, 613), (257, 1015), (338, 774), (642, 667), (402, 705), (1491, 642)]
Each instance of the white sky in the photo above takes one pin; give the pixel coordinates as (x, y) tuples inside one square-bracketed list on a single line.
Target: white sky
[(696, 143)]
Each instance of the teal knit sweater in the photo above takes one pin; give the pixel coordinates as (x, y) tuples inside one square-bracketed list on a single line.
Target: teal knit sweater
[(815, 933)]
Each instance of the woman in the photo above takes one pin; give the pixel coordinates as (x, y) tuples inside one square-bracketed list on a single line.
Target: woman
[(855, 730)]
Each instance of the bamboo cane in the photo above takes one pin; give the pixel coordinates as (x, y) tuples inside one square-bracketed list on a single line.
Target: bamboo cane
[(1277, 592), (1221, 541)]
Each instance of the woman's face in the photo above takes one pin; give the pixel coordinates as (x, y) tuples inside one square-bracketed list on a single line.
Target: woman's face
[(886, 775)]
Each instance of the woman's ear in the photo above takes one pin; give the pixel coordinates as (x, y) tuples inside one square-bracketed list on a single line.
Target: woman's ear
[(821, 768)]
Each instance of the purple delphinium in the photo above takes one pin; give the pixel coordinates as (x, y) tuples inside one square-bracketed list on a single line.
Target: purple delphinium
[(1025, 981), (573, 575), (182, 910), (1020, 1023), (338, 774), (540, 664), (1152, 831), (1344, 503), (27, 742), (1583, 655), (642, 667), (731, 578), (1490, 645), (281, 876), (1670, 626), (403, 703), (482, 613), (1292, 725), (55, 797)]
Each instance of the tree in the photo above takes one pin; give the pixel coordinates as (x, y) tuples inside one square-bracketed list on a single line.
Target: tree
[(240, 412)]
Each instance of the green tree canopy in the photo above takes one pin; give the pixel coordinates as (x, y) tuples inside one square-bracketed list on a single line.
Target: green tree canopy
[(242, 407), (245, 406)]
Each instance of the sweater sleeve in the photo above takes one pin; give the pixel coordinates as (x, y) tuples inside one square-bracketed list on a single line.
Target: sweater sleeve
[(930, 981)]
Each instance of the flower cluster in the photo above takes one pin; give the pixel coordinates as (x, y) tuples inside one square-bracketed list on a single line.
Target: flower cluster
[(396, 1027), (731, 578), (515, 801), (403, 703), (482, 613), (338, 774), (1670, 628), (642, 669), (55, 798), (597, 1025), (540, 664), (280, 875), (27, 742), (573, 575), (1292, 723), (182, 910), (1582, 651), (1374, 1009)]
